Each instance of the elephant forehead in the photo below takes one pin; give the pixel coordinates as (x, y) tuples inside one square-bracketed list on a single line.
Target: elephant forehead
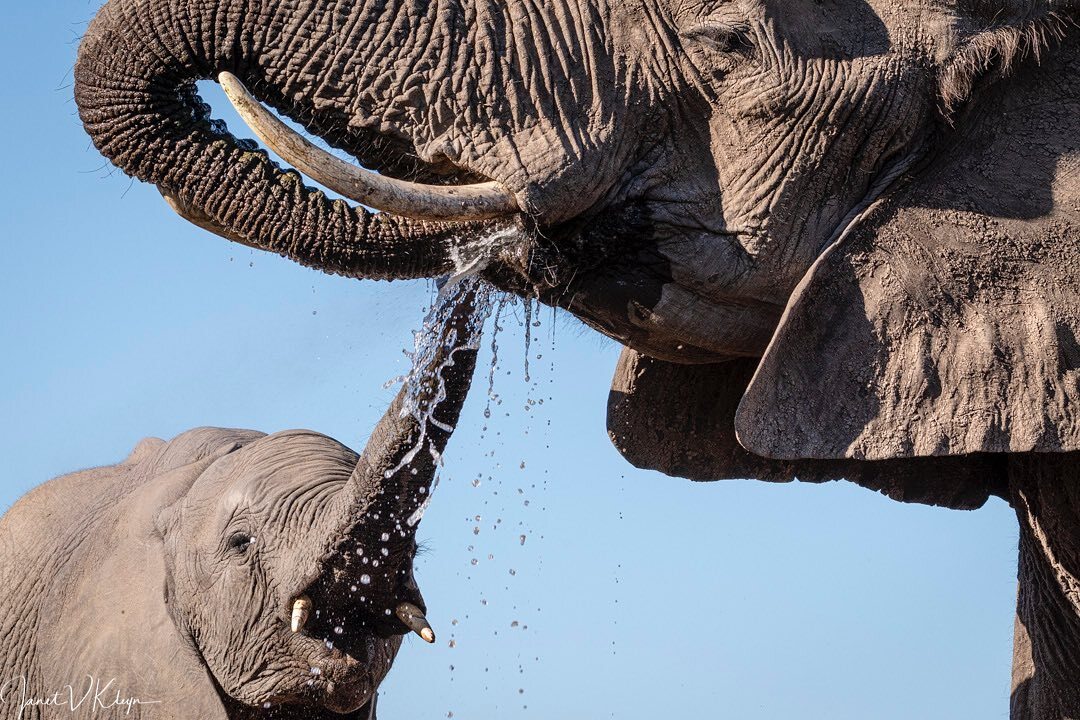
[(279, 469)]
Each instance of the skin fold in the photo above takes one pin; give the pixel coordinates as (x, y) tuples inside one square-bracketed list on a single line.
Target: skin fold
[(837, 237)]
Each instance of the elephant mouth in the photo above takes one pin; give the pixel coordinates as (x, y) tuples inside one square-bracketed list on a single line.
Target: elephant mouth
[(340, 673), (344, 630)]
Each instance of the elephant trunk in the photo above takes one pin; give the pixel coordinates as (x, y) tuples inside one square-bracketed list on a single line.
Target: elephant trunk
[(393, 479), (135, 88)]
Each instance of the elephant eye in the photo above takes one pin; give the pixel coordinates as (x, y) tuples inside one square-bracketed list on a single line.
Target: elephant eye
[(720, 36), (241, 541)]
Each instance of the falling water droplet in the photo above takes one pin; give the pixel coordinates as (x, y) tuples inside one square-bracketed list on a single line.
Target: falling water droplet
[(528, 334), (365, 579)]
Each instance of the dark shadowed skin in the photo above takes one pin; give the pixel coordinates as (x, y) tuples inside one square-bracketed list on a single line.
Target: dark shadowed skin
[(175, 573), (847, 227)]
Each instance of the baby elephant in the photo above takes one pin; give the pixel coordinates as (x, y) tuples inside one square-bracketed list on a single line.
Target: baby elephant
[(226, 573)]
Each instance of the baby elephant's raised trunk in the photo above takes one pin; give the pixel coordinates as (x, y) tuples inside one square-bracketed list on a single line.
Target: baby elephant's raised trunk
[(374, 517), (397, 468)]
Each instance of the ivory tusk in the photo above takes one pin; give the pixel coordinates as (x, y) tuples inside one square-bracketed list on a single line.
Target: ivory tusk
[(414, 619), (301, 611), (462, 203)]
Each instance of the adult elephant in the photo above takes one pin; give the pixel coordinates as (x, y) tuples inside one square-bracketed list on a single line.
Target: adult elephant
[(228, 574), (838, 237)]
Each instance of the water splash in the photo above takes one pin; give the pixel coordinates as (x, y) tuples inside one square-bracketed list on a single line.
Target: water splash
[(470, 257), (434, 350), (528, 335)]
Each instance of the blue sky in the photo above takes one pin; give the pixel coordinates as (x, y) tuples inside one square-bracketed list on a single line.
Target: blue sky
[(120, 322)]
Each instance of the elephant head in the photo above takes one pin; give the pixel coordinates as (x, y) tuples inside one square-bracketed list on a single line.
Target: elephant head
[(231, 574), (817, 184)]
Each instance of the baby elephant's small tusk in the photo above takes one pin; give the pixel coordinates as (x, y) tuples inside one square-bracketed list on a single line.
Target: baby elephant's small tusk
[(301, 611), (414, 619)]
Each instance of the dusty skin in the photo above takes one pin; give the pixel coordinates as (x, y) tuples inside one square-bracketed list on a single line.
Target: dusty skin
[(849, 226)]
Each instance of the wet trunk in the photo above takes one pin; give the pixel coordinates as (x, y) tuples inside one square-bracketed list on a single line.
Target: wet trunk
[(378, 507), (1046, 662), (399, 463), (135, 87)]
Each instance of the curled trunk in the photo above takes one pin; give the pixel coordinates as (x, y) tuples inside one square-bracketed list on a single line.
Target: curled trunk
[(135, 88)]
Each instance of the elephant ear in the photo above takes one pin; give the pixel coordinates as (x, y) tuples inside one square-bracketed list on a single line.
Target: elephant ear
[(680, 420), (116, 618), (947, 321)]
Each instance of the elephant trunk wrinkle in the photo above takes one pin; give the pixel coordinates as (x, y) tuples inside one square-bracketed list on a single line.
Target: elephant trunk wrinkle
[(135, 88)]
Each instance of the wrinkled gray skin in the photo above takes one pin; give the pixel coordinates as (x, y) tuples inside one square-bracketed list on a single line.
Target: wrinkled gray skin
[(173, 574), (838, 237)]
